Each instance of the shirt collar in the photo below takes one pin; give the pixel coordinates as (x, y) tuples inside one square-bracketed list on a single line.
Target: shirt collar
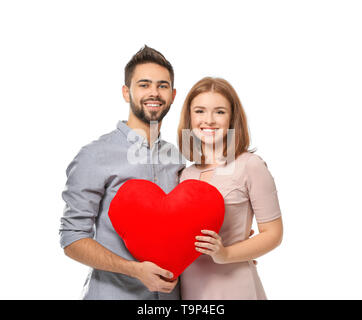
[(122, 126)]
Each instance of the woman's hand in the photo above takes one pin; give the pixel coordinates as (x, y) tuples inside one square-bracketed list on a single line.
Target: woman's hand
[(212, 245)]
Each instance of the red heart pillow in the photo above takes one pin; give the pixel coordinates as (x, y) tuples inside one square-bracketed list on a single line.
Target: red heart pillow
[(160, 227)]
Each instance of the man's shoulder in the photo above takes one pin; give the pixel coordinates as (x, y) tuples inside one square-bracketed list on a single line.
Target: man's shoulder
[(99, 148), (103, 141)]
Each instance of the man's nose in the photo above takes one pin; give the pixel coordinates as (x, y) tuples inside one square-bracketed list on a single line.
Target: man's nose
[(154, 91)]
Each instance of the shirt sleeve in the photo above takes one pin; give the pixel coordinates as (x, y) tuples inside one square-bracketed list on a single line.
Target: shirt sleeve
[(83, 193), (262, 191)]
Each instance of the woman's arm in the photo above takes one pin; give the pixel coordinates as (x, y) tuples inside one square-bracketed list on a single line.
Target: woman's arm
[(269, 237)]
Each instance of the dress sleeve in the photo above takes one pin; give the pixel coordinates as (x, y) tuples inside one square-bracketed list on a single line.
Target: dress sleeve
[(83, 193), (262, 191)]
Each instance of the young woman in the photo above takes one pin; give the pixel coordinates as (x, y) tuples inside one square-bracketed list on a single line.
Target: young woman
[(213, 133)]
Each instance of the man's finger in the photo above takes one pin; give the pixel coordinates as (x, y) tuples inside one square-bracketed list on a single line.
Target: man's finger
[(165, 273), (167, 285), (167, 279)]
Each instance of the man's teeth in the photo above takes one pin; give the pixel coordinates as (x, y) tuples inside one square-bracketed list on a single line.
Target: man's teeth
[(153, 104)]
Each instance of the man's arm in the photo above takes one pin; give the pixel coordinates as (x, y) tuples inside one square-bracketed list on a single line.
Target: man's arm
[(89, 252), (93, 254), (83, 194)]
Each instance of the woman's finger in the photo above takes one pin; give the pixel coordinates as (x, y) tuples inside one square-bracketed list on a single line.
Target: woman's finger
[(205, 245), (206, 239), (204, 251), (211, 233)]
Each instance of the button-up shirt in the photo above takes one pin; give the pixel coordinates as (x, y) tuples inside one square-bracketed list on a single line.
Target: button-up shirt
[(93, 179)]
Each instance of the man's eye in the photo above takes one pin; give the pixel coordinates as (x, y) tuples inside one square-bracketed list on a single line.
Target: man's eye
[(143, 85), (163, 86)]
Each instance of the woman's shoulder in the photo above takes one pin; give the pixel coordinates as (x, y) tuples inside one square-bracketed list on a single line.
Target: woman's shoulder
[(243, 164), (244, 159), (187, 173), (255, 168), (189, 168), (249, 159)]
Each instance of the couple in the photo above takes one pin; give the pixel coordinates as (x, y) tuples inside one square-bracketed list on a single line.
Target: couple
[(225, 270)]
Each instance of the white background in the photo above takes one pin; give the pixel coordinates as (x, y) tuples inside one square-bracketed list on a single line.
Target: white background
[(296, 66)]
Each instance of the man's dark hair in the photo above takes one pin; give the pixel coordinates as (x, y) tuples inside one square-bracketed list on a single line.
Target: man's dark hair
[(146, 55)]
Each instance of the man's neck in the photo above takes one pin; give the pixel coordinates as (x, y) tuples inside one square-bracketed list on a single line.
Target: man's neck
[(149, 131)]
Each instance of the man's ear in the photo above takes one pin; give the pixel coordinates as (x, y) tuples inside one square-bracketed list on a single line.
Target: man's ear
[(125, 93), (173, 94)]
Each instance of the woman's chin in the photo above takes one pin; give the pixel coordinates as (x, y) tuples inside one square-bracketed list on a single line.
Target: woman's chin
[(211, 140)]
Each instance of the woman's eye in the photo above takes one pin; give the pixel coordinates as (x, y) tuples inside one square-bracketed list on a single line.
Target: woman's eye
[(198, 111), (221, 112)]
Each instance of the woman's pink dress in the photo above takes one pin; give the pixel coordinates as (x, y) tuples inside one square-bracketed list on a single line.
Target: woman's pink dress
[(248, 189)]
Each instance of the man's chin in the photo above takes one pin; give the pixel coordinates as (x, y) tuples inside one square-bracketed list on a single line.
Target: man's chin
[(153, 116), (148, 120), (156, 115), (146, 116)]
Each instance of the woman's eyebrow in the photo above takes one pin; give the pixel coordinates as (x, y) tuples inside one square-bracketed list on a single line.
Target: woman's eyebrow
[(202, 107)]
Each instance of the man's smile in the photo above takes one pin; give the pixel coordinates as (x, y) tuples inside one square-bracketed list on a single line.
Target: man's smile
[(153, 105)]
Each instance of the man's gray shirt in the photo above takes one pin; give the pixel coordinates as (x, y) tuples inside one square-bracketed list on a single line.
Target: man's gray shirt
[(93, 178)]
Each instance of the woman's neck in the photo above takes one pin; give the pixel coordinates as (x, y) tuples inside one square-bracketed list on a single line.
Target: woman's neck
[(212, 156)]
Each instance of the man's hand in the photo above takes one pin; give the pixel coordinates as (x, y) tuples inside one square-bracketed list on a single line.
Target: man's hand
[(152, 276)]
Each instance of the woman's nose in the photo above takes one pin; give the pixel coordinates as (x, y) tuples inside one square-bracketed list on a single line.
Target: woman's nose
[(209, 119)]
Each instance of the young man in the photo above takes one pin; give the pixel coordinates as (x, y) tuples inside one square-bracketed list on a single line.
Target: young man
[(101, 167)]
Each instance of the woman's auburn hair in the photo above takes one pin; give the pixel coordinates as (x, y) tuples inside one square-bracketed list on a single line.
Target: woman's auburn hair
[(238, 120)]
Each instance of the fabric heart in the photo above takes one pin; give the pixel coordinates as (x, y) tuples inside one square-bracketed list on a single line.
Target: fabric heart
[(160, 227)]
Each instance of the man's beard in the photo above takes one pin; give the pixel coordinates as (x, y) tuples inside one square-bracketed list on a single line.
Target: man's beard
[(140, 113)]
